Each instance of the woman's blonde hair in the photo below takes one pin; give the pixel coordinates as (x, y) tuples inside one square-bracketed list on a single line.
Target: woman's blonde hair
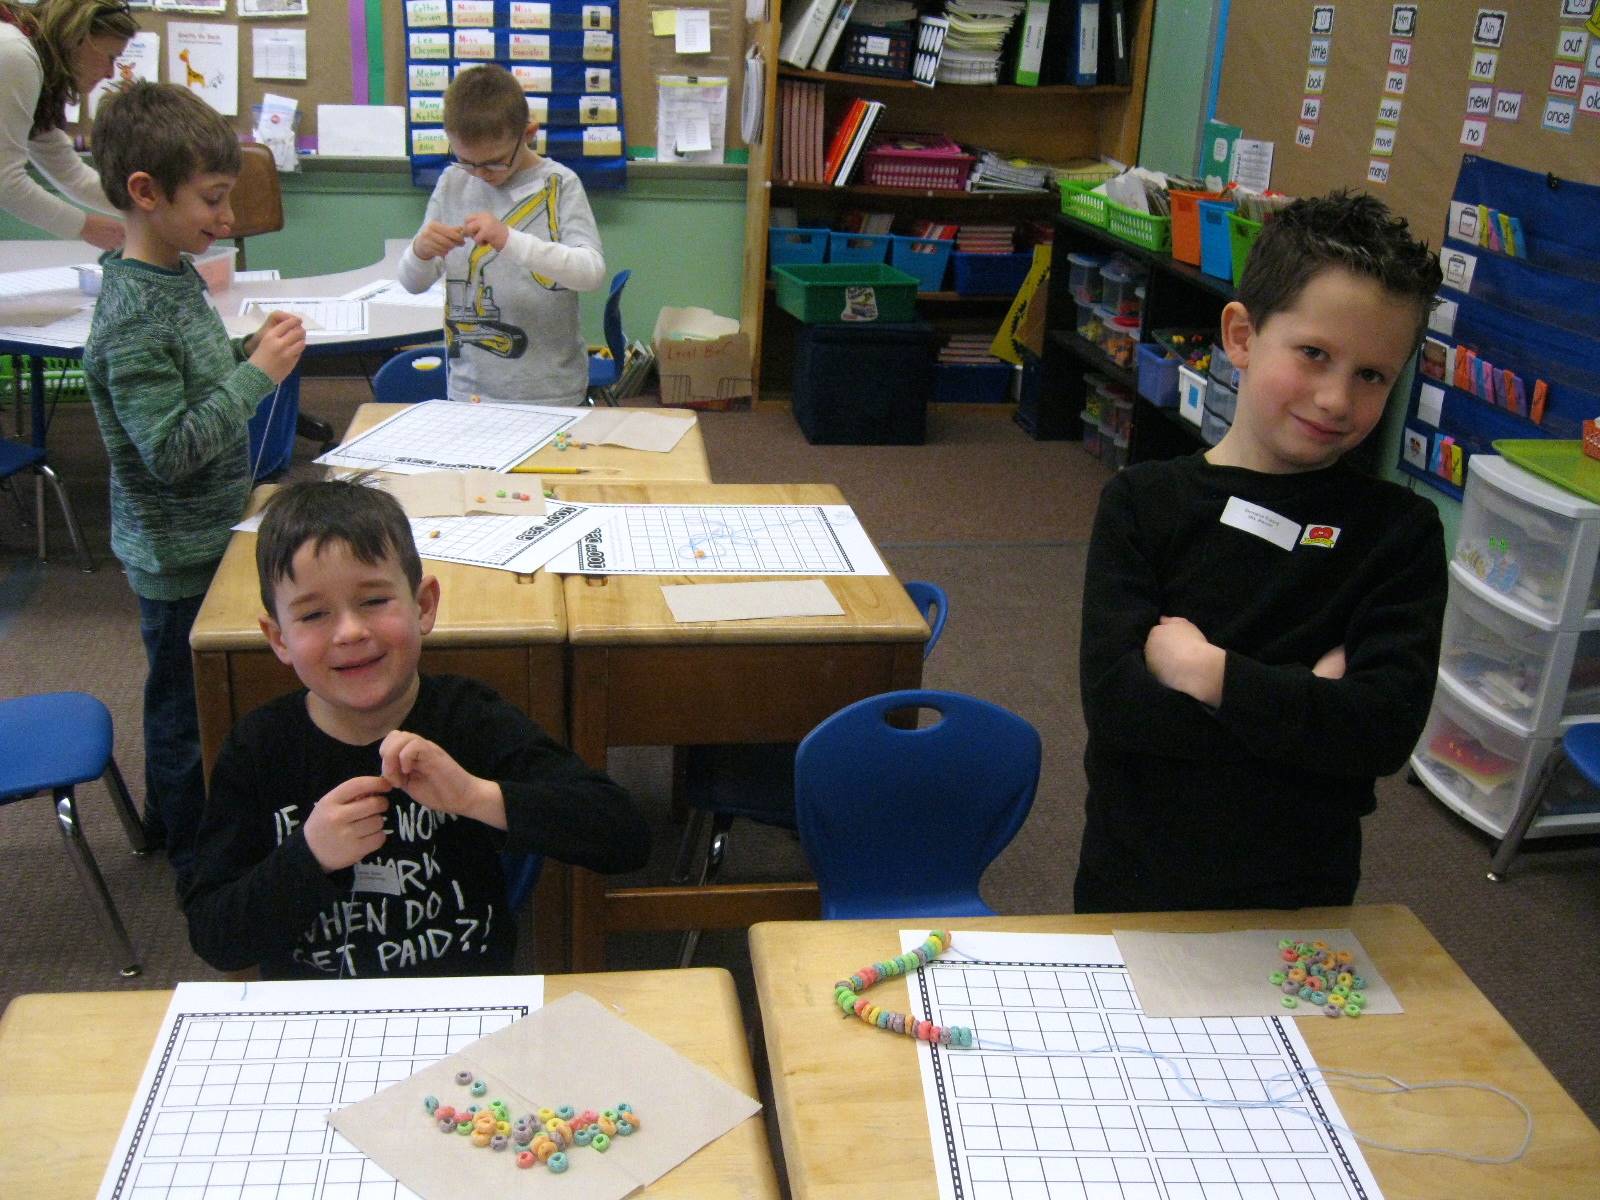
[(56, 28)]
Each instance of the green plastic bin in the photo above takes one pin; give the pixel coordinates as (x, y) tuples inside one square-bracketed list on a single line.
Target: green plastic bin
[(1084, 203), (1142, 229), (846, 293), (1242, 234)]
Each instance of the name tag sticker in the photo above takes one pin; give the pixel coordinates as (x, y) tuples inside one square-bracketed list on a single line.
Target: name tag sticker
[(1263, 522), (377, 877)]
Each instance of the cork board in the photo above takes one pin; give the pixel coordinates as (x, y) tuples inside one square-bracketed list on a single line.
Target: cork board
[(644, 56), (328, 58), (1268, 71)]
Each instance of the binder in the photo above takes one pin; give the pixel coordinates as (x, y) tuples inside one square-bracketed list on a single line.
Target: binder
[(830, 39), (1030, 46), (799, 41), (1114, 35), (1086, 58)]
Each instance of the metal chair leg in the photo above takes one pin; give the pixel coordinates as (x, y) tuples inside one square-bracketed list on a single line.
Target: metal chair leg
[(1522, 819), (716, 853), (692, 833), (78, 543), (122, 801), (93, 881)]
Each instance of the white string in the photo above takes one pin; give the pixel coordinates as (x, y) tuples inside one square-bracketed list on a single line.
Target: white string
[(266, 431)]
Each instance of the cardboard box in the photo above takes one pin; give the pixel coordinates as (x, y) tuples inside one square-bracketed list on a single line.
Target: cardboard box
[(703, 360)]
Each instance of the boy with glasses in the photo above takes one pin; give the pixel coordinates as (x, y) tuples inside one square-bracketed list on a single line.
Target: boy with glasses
[(513, 236)]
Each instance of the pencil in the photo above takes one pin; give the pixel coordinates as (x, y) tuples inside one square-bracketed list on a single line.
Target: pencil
[(525, 469)]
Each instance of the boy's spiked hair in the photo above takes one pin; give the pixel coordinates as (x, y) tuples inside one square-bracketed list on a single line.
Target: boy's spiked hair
[(484, 103), (1352, 231), (164, 130), (369, 521)]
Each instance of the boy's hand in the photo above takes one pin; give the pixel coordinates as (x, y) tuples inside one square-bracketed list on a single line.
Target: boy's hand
[(278, 345), (1180, 657), (347, 824), (436, 240), (1330, 665), (487, 230), (427, 773)]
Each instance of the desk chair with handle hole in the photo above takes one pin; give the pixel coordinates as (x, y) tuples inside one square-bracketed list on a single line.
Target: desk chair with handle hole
[(17, 457), (1579, 747), (53, 742), (755, 782), (902, 822), (411, 376), (604, 372)]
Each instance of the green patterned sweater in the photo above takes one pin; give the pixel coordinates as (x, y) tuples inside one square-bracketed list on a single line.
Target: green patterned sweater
[(172, 395)]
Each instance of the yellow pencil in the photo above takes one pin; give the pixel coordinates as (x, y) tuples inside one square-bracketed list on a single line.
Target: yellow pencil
[(525, 469)]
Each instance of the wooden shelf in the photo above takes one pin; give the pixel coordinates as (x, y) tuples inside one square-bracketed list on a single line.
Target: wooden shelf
[(943, 297), (979, 89), (1090, 353), (864, 189)]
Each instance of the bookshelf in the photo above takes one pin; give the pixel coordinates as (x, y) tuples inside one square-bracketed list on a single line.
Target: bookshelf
[(1052, 122)]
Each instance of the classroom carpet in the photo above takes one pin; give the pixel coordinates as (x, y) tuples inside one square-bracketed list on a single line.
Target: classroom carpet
[(998, 520)]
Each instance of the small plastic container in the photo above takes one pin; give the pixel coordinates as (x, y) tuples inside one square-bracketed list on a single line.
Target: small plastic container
[(926, 258), (215, 266), (858, 247), (1138, 294), (1191, 395), (796, 244), (1158, 375), (1084, 277), (1117, 285), (1222, 368), (1119, 339), (1118, 457), (1091, 432), (1088, 325), (1216, 249), (1217, 418)]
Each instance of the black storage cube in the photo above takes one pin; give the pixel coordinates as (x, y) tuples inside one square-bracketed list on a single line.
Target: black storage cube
[(864, 385)]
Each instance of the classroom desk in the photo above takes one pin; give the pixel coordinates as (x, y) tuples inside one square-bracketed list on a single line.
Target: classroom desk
[(640, 678), (91, 1047), (850, 1103)]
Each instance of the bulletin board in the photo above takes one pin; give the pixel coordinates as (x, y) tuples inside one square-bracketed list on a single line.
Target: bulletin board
[(330, 64), (1274, 64), (648, 56)]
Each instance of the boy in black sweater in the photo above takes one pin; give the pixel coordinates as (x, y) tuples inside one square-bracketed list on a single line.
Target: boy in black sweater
[(355, 828), (1261, 622)]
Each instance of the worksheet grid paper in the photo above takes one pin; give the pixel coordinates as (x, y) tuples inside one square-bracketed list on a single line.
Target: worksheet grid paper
[(458, 435), (754, 540), (1058, 1114), (238, 1110), (479, 539)]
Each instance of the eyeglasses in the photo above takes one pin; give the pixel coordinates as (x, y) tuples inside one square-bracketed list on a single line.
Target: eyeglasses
[(497, 164)]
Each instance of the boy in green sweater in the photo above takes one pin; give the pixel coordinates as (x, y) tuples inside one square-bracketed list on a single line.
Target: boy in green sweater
[(173, 396)]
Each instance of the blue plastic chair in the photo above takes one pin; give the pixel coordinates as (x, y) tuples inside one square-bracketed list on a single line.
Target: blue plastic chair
[(522, 876), (17, 457), (1580, 746), (604, 372), (901, 822), (53, 742), (755, 781), (411, 376)]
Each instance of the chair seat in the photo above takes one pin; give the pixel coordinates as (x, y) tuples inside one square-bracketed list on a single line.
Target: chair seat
[(18, 456), (1582, 744), (58, 739)]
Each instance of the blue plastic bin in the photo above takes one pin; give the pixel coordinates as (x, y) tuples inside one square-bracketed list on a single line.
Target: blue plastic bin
[(991, 274), (1216, 247), (972, 383), (858, 247), (926, 258), (797, 244), (1157, 373)]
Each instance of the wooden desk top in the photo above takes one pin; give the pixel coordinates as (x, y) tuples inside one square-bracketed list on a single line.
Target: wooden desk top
[(477, 606), (91, 1047), (630, 609), (850, 1103), (684, 462)]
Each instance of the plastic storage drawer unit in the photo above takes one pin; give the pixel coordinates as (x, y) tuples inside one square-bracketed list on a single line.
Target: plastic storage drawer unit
[(1475, 765), (864, 385)]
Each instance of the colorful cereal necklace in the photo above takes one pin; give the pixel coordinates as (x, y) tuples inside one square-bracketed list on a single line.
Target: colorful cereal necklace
[(847, 993)]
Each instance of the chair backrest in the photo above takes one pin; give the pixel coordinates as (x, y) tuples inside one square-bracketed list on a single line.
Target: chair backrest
[(934, 606), (900, 822), (410, 376), (522, 874), (616, 340), (257, 198)]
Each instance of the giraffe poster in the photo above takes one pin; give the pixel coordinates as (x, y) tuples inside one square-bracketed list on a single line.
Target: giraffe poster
[(140, 60), (205, 59)]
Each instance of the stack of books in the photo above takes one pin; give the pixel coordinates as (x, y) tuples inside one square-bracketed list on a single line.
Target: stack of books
[(854, 220), (846, 147), (637, 364), (943, 230), (993, 173), (986, 239), (800, 157), (977, 35), (971, 349)]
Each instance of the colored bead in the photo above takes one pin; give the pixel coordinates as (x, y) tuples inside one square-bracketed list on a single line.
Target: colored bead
[(1358, 983), (431, 1103), (602, 1142), (1335, 1000), (1290, 1002), (546, 1115), (446, 1125), (1319, 945), (557, 1163), (445, 1113), (1357, 997), (522, 1136), (1277, 978), (1306, 993), (607, 1125), (1317, 983), (1352, 1010), (501, 494), (1332, 1010), (584, 1136), (502, 1127), (463, 1077), (566, 1112), (479, 1088), (1285, 944), (625, 1127), (525, 1158), (482, 1137), (464, 1128), (545, 1149), (499, 1142)]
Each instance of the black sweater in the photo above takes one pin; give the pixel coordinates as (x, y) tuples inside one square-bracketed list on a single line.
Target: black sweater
[(258, 895), (1195, 807)]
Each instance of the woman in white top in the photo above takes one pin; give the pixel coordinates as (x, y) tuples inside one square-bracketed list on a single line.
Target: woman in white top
[(52, 55)]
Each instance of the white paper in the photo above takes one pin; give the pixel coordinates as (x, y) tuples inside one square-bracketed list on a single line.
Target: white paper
[(751, 601), (140, 59), (725, 539), (68, 331), (432, 297), (691, 114), (278, 53), (1069, 1084), (14, 285), (274, 8), (242, 1077), (636, 429), (1430, 404), (693, 32), (265, 275), (361, 130), (322, 317), (444, 435), (205, 59), (1252, 164)]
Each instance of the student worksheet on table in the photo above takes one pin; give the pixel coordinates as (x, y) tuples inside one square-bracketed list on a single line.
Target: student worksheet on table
[(1071, 1091), (235, 1097)]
